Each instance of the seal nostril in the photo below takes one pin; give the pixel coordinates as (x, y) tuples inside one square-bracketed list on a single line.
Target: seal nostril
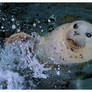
[(76, 33), (75, 26)]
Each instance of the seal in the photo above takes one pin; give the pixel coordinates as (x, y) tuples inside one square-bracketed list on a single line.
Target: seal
[(68, 43)]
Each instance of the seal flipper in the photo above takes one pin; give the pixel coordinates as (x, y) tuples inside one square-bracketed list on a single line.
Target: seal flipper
[(19, 36)]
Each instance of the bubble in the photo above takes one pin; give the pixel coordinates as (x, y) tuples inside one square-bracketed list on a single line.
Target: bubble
[(52, 19)]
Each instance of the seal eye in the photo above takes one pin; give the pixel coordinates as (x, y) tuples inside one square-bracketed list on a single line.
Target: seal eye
[(88, 35), (75, 26)]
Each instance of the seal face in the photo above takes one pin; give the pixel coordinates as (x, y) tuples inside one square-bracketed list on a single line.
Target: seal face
[(79, 35), (68, 43), (79, 41)]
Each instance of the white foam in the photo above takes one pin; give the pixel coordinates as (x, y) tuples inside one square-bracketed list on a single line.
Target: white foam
[(10, 80)]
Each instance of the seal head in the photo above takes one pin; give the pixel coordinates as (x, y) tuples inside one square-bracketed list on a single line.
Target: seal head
[(69, 43), (79, 34)]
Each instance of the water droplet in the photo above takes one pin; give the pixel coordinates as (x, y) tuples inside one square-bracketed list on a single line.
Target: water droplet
[(12, 19), (3, 19), (18, 30), (42, 30), (49, 20), (34, 25), (58, 72), (38, 22), (13, 26), (40, 26), (2, 27), (3, 30)]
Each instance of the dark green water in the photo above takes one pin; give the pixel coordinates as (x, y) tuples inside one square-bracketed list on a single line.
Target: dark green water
[(43, 19)]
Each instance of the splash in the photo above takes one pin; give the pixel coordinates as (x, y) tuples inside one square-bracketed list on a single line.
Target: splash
[(19, 56)]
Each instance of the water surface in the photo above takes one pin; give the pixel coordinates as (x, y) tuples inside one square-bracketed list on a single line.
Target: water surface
[(17, 72)]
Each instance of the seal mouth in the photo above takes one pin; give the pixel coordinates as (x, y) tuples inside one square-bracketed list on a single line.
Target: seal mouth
[(73, 44), (76, 42)]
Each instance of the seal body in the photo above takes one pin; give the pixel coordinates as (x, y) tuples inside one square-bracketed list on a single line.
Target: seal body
[(68, 43)]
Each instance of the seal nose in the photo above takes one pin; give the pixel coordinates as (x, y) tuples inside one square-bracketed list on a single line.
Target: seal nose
[(79, 41), (76, 33), (76, 40)]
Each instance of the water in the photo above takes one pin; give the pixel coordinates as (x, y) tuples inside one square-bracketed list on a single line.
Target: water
[(20, 69)]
